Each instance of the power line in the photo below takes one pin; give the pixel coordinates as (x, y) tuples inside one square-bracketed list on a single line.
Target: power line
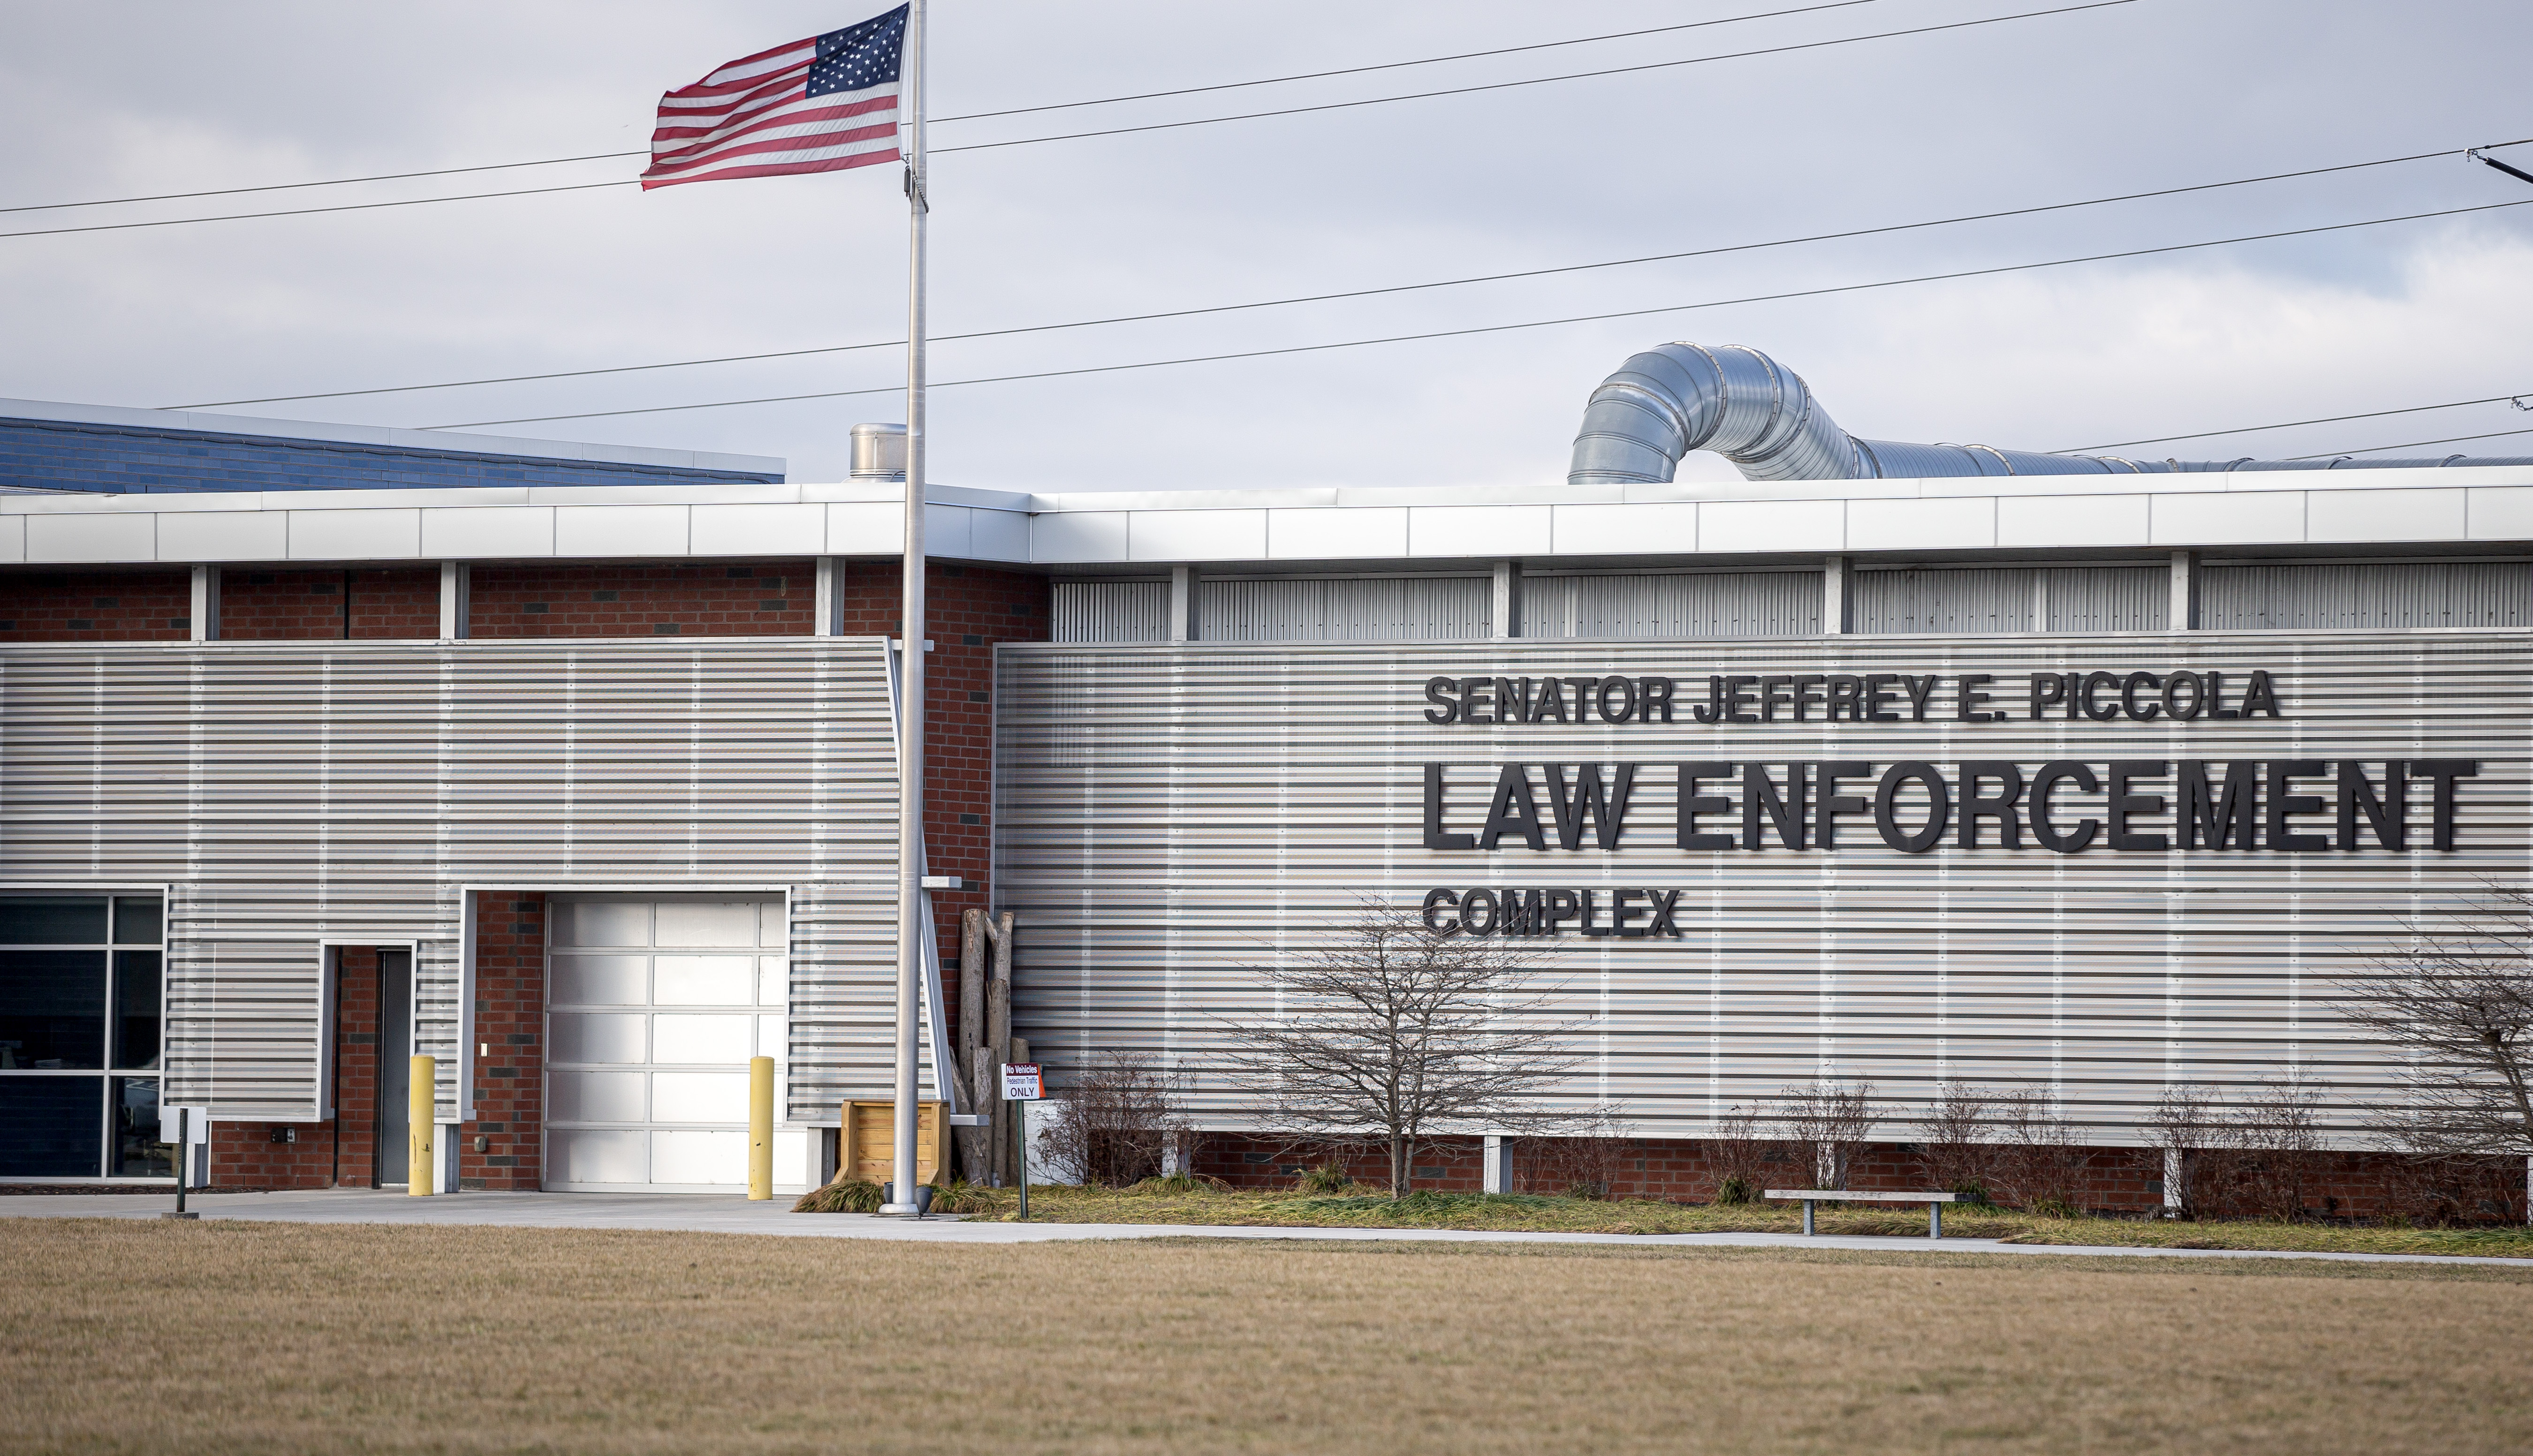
[(1080, 136), (109, 227), (1464, 91), (1512, 327), (1466, 55), (1191, 90), (223, 192), (2414, 445), (2293, 424), (1348, 294)]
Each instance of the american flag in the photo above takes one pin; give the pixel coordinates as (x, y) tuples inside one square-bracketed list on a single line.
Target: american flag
[(816, 106)]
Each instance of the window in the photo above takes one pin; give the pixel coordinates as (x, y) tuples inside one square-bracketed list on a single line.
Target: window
[(82, 1004)]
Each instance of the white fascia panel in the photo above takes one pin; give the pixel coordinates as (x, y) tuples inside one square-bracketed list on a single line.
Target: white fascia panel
[(865, 528), (1943, 523), (487, 533), (2385, 515), (1623, 530), (1479, 530), (2234, 518), (1196, 535), (947, 531), (223, 535), (754, 530), (1079, 536), (620, 531), (998, 535), (2502, 513), (2072, 520), (1772, 526), (12, 538), (92, 537), (1310, 533), (355, 535)]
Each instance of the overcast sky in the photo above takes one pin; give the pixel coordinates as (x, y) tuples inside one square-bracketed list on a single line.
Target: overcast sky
[(149, 96)]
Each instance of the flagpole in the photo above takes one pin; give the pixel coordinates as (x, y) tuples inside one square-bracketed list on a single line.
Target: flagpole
[(909, 749)]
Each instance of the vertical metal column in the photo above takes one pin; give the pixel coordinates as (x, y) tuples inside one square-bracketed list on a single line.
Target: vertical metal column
[(455, 580), (1183, 623), (2183, 615), (1836, 615), (830, 612), (206, 605), (1505, 619), (909, 752)]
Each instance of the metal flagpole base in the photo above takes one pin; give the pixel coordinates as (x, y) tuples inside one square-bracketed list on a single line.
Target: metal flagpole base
[(188, 1214), (899, 1210)]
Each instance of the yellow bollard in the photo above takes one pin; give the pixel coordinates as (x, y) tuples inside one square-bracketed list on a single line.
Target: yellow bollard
[(760, 1127), (422, 1105)]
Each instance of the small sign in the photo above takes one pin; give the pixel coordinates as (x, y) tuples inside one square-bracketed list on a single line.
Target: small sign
[(1022, 1083), (198, 1128)]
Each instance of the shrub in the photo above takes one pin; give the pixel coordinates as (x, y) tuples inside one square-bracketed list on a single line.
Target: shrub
[(1584, 1163), (844, 1195), (1119, 1120), (959, 1196), (1329, 1179), (1961, 1151), (1833, 1121), (1740, 1151), (1179, 1182), (2040, 1165)]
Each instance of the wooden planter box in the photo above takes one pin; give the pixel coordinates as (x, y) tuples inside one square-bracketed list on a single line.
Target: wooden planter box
[(866, 1148)]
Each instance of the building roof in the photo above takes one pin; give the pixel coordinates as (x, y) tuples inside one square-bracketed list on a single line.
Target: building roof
[(1432, 527)]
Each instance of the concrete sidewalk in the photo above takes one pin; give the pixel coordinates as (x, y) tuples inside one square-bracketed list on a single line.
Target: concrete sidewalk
[(704, 1214)]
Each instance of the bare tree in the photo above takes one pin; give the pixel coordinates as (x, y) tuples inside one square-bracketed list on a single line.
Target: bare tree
[(2191, 1143), (1119, 1120), (2460, 1002), (1393, 1033), (1740, 1149), (2276, 1132), (1585, 1161), (1833, 1119), (2042, 1158), (1959, 1155)]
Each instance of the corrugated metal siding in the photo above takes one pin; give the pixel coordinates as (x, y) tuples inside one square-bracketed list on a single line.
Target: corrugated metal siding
[(2387, 596), (1679, 605), (1168, 817), (2012, 598), (289, 793), (1111, 612), (1370, 608)]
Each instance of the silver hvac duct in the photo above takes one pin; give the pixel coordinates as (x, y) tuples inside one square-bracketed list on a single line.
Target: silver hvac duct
[(1758, 414)]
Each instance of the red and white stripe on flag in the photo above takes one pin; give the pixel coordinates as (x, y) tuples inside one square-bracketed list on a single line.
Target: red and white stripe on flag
[(816, 106)]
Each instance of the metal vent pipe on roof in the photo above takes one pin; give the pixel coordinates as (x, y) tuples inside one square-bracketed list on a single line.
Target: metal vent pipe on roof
[(879, 452), (1759, 415)]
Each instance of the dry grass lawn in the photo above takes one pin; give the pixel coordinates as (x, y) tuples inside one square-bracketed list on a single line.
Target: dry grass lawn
[(268, 1337)]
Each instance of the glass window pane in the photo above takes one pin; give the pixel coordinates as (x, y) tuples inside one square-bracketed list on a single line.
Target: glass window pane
[(136, 1008), (135, 920), (137, 1153), (51, 1127), (52, 1008), (52, 920)]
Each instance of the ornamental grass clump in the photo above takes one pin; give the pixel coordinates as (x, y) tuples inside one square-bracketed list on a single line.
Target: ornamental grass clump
[(844, 1195)]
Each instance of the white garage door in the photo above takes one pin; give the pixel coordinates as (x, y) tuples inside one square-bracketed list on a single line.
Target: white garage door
[(653, 1009)]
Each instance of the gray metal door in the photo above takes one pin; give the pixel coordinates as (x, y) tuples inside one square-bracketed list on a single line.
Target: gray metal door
[(394, 1081)]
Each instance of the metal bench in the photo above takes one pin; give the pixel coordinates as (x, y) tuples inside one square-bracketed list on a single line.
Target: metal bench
[(1935, 1203)]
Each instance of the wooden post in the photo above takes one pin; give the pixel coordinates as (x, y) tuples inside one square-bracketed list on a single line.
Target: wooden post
[(998, 1043), (975, 1145)]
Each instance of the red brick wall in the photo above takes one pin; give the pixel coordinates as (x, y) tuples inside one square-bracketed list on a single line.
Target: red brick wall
[(510, 1017), (310, 604), (95, 606), (668, 599), (966, 609), (343, 1152), (2118, 1180)]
